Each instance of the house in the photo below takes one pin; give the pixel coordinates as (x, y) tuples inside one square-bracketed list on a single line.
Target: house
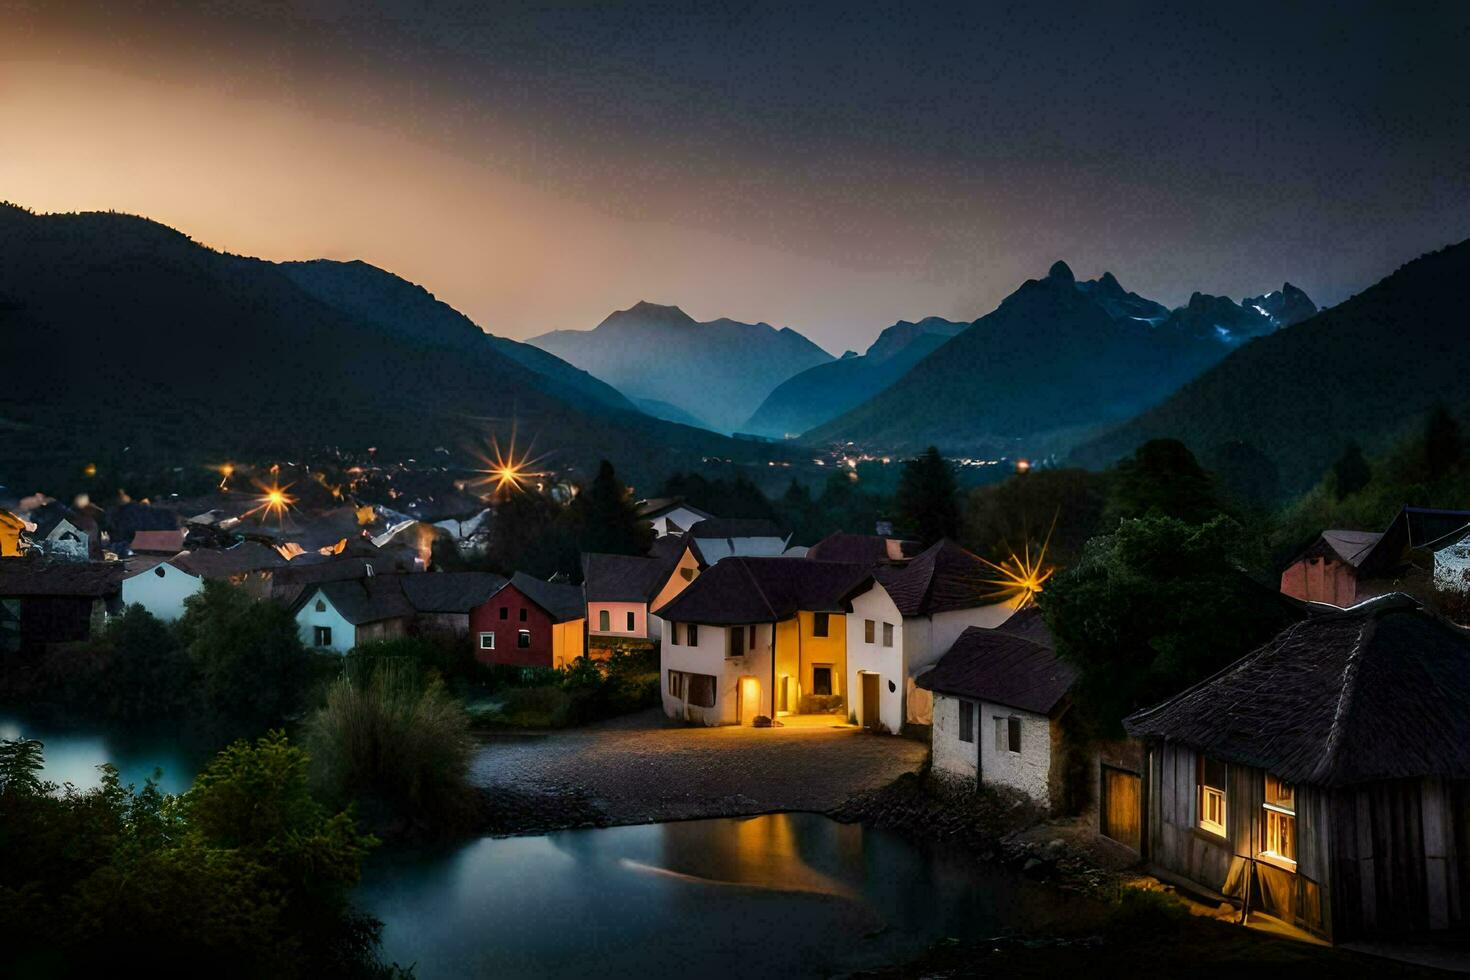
[(160, 585), (1324, 778), (759, 638), (247, 564), (670, 515), (337, 616), (169, 542), (530, 623), (618, 590), (910, 615), (11, 528), (1343, 568), (67, 541), (443, 601), (999, 696), (870, 549), (716, 538), (46, 601)]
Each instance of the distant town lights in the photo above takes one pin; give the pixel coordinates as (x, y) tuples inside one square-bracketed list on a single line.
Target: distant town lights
[(1023, 465)]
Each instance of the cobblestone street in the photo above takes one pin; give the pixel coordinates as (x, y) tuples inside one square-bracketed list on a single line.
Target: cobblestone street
[(638, 769)]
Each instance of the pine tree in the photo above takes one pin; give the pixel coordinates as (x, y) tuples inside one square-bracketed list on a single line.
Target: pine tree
[(1442, 445), (927, 501), (1351, 471), (604, 519)]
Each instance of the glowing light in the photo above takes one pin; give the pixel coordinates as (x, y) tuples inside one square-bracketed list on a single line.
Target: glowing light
[(1020, 578), (89, 470), (273, 501), (225, 472), (507, 471), (1023, 465)]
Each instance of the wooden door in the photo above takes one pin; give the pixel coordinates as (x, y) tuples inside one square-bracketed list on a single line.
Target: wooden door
[(870, 700), (1122, 806)]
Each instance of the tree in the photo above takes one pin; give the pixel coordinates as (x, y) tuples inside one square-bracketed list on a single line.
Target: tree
[(799, 512), (1442, 443), (149, 675), (1162, 477), (1247, 477), (1063, 507), (1152, 608), (738, 498), (248, 657), (1351, 471), (927, 502), (604, 519)]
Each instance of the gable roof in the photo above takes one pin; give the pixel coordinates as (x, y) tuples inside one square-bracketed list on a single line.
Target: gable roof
[(1350, 547), (247, 556), (160, 542), (1378, 691), (562, 602), (1003, 667), (366, 600), (624, 578), (30, 577), (450, 592), (872, 549), (651, 510), (763, 590), (940, 578)]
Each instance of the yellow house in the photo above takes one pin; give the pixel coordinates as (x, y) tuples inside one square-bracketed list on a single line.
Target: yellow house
[(10, 528), (754, 640)]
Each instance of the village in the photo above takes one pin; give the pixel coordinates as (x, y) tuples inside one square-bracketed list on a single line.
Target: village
[(1314, 784)]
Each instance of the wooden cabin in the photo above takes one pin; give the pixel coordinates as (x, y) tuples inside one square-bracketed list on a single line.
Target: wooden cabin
[(1323, 779)]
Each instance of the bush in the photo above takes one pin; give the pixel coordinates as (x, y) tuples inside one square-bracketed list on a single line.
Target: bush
[(1141, 911), (393, 737)]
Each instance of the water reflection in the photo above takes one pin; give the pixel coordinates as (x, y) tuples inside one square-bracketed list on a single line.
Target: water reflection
[(73, 754), (795, 893)]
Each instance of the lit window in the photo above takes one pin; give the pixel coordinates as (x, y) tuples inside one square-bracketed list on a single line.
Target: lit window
[(967, 722), (868, 630), (1280, 807), (888, 634), (604, 620), (820, 624), (1212, 796), (523, 639), (487, 641)]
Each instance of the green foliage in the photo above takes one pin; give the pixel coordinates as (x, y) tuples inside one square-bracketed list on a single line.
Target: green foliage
[(21, 761), (149, 676), (1246, 478), (1162, 478), (1443, 445), (447, 656), (531, 536), (1351, 472), (587, 691), (736, 498), (1065, 505), (251, 666), (245, 875), (1153, 608), (927, 502), (392, 737)]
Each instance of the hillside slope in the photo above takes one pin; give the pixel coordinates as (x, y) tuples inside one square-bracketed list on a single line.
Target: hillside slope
[(1368, 370), (719, 371)]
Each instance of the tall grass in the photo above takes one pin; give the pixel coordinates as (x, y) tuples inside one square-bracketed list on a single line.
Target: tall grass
[(395, 740)]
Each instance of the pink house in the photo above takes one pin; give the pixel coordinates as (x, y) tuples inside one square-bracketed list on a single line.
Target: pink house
[(619, 589)]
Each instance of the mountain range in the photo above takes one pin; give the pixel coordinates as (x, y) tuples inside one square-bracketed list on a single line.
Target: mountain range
[(1368, 370), (127, 342), (1058, 361), (820, 393), (718, 372)]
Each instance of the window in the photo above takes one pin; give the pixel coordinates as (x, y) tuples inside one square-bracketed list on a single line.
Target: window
[(737, 642), (604, 620), (674, 634), (1211, 781), (691, 634), (701, 690), (1008, 734), (868, 630), (321, 636), (822, 679), (750, 637), (820, 624), (967, 722), (159, 571), (523, 639), (687, 574), (487, 641), (505, 612), (321, 606), (631, 627), (1280, 836), (888, 634), (676, 684), (522, 613)]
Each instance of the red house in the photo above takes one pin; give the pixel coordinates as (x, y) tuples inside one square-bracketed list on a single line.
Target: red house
[(530, 623)]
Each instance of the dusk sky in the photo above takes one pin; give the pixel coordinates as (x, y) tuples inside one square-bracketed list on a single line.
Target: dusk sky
[(832, 169)]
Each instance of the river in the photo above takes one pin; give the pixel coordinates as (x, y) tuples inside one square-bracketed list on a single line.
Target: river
[(795, 895)]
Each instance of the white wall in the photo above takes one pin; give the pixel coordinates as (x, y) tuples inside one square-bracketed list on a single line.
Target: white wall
[(927, 638), (162, 594), (951, 757), (681, 516), (874, 658), (344, 634), (708, 657), (1028, 770), (1452, 568)]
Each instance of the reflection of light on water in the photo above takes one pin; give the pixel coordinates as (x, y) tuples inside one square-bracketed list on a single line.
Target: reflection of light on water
[(800, 879), (762, 853)]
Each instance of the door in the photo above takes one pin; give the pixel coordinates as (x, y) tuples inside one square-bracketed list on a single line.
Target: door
[(870, 700), (1122, 809)]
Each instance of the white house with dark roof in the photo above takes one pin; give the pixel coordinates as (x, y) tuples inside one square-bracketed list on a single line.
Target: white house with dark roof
[(337, 616), (160, 585), (671, 515)]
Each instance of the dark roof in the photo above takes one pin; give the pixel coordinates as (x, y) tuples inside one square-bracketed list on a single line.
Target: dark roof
[(1351, 547), (450, 592), (562, 602), (247, 556), (652, 509), (288, 582), (1411, 528), (941, 578), (1028, 624), (1003, 667), (367, 600), (1378, 691), (26, 576), (871, 549), (159, 542), (736, 527), (763, 590), (624, 578)]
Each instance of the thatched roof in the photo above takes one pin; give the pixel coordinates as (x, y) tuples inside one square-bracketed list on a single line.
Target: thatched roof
[(1378, 691)]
